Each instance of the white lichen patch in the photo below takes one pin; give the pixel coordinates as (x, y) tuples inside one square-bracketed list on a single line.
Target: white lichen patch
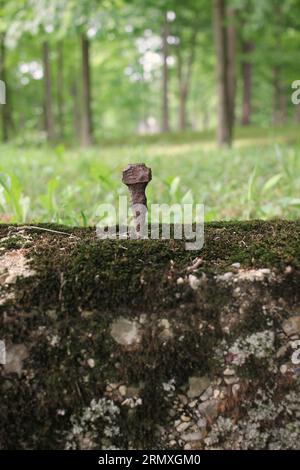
[(260, 345), (100, 417), (266, 425), (14, 264)]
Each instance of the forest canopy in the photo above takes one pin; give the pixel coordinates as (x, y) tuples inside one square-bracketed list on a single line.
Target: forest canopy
[(81, 70)]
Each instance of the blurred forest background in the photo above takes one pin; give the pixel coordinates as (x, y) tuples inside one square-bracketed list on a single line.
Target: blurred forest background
[(200, 90)]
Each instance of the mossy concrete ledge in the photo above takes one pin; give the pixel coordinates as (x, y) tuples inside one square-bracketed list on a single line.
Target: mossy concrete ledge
[(144, 345)]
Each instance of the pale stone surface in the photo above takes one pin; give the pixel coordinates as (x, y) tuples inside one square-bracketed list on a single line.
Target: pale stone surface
[(123, 390), (192, 436), (197, 385), (194, 282), (209, 409), (15, 355), (183, 427), (291, 326), (12, 265), (125, 332)]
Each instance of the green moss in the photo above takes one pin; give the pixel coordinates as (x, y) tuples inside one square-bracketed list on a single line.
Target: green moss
[(78, 274), (139, 274), (12, 243)]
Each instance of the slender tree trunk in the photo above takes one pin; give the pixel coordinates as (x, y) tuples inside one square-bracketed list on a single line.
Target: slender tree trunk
[(231, 68), (165, 125), (182, 107), (75, 107), (49, 122), (224, 129), (60, 88), (246, 71), (182, 94), (4, 107), (279, 101), (86, 112), (184, 79)]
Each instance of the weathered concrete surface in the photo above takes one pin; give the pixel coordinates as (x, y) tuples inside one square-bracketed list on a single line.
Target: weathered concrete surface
[(143, 345)]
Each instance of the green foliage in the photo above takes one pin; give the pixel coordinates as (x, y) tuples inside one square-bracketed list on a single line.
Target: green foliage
[(253, 180), (126, 61)]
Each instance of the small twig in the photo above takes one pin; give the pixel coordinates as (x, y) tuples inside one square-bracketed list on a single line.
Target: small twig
[(34, 227), (196, 263)]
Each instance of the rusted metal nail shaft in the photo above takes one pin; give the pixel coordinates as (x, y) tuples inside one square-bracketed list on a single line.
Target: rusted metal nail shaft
[(136, 177)]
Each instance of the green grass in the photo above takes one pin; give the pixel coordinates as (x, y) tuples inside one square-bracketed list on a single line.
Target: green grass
[(258, 178)]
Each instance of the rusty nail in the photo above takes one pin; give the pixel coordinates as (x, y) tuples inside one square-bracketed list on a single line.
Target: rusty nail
[(136, 176)]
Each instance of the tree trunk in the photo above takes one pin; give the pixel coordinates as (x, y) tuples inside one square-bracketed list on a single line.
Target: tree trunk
[(86, 112), (246, 70), (182, 94), (49, 122), (4, 107), (279, 101), (75, 107), (184, 79), (100, 350), (165, 125), (60, 89), (231, 67), (182, 107), (224, 129)]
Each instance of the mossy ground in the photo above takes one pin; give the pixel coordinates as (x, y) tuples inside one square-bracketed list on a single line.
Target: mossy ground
[(109, 273), (63, 314)]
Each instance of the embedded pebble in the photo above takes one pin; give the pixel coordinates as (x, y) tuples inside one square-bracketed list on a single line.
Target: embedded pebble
[(229, 371), (183, 427), (192, 436), (183, 399), (207, 394), (16, 354), (231, 380), (235, 389), (125, 332), (197, 385), (296, 357), (236, 265), (202, 423), (193, 403), (282, 350), (291, 326), (194, 282), (185, 418), (91, 363), (210, 409), (283, 369), (123, 390), (187, 446)]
